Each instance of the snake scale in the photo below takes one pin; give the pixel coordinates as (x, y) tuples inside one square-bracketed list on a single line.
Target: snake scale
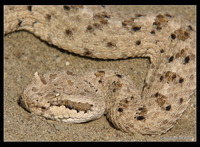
[(96, 31)]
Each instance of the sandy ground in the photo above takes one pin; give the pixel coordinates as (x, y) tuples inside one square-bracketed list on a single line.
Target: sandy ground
[(24, 54)]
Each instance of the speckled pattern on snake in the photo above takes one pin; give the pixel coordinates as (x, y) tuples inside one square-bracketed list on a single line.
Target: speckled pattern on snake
[(98, 32)]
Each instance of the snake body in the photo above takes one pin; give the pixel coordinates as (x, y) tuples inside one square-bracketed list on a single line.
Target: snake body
[(98, 32)]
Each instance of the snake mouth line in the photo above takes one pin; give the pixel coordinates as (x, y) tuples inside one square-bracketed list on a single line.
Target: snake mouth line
[(72, 105)]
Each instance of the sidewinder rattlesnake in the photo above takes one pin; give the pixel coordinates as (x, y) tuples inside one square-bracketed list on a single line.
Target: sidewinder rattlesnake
[(95, 31)]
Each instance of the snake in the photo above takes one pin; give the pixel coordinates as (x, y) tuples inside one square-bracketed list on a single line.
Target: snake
[(168, 40)]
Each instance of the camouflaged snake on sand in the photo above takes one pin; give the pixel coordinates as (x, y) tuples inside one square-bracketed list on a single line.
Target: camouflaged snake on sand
[(98, 32)]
